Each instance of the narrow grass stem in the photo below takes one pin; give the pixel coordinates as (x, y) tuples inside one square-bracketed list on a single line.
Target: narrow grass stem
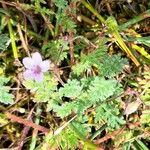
[(95, 12), (87, 20), (136, 19), (12, 37)]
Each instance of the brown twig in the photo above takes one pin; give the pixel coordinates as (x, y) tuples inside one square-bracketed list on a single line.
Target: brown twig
[(25, 132), (109, 136), (24, 44), (108, 8), (56, 71), (26, 122)]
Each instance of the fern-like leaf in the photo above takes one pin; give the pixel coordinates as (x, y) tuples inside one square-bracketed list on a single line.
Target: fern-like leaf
[(111, 66), (61, 4), (43, 90), (101, 89), (56, 50), (65, 109), (108, 113), (71, 89)]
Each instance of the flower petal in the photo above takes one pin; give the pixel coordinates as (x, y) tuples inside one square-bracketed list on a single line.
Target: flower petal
[(38, 77), (45, 65), (27, 62), (36, 57), (28, 74)]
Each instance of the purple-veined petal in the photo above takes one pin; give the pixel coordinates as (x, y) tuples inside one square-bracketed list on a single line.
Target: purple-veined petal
[(45, 65), (28, 74), (38, 77), (28, 62), (36, 58)]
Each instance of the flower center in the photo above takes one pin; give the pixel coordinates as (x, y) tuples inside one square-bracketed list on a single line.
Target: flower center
[(37, 69)]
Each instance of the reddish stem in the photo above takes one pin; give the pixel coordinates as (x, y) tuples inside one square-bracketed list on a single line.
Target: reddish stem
[(26, 122)]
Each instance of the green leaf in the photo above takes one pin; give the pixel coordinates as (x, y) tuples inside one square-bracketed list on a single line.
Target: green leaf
[(81, 67), (82, 128), (56, 50), (3, 119), (140, 40), (67, 140), (66, 22), (70, 139), (71, 89), (3, 41), (96, 56), (109, 113), (145, 117), (65, 109), (112, 66), (44, 90), (61, 4), (38, 8), (100, 89), (87, 61), (5, 96)]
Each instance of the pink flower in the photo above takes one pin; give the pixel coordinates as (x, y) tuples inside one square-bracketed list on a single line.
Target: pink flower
[(35, 67)]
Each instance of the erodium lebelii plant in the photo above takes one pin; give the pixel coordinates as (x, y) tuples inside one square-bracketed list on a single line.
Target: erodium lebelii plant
[(35, 67)]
